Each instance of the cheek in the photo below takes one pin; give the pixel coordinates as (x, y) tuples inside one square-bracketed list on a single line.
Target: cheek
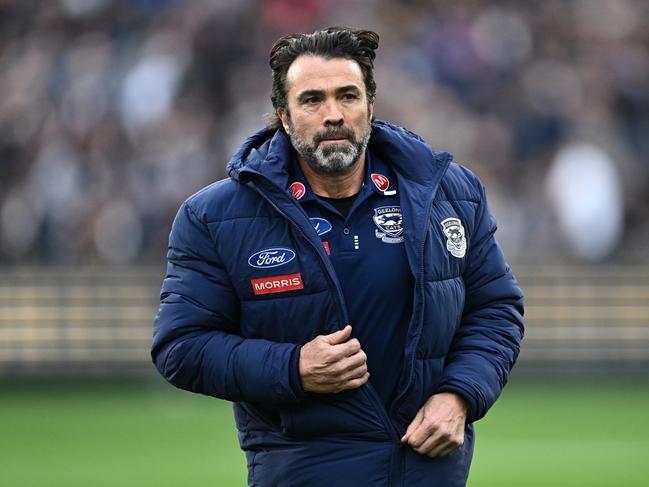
[(362, 124), (304, 133)]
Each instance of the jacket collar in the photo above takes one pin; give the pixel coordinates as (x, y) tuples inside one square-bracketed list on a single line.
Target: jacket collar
[(408, 154), (378, 178), (269, 153)]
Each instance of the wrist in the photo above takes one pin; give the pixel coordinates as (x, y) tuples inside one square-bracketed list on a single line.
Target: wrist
[(460, 402)]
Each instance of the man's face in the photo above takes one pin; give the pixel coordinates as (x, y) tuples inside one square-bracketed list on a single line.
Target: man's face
[(328, 117)]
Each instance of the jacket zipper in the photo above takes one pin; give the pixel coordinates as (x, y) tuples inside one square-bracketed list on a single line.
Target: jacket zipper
[(396, 403), (372, 396)]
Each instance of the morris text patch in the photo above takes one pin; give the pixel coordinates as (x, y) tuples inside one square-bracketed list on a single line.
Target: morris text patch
[(277, 284)]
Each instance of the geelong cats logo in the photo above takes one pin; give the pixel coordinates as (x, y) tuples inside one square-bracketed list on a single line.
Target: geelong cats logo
[(389, 222), (456, 240)]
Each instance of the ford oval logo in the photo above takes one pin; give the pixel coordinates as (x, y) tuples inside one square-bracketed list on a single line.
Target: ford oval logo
[(274, 257), (321, 225)]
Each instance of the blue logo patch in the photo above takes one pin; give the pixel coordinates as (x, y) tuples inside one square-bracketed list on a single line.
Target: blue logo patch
[(274, 257), (321, 225)]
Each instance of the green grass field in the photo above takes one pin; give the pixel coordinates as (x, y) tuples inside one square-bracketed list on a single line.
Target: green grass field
[(559, 433)]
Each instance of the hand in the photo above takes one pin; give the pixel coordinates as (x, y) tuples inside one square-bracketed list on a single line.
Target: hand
[(438, 427), (333, 363)]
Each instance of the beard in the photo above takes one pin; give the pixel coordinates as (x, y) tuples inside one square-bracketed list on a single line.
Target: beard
[(332, 158)]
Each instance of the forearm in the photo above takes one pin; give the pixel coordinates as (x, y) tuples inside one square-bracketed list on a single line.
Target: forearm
[(222, 364), (482, 354)]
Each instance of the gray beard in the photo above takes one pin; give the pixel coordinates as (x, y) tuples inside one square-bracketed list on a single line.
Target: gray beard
[(332, 158)]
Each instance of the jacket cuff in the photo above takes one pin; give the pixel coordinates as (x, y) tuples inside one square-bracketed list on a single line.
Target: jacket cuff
[(294, 378)]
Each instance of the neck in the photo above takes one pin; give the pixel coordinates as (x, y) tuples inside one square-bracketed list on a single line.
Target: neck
[(335, 185)]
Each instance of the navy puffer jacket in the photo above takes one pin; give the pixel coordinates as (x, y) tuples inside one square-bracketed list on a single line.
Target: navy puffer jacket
[(213, 335)]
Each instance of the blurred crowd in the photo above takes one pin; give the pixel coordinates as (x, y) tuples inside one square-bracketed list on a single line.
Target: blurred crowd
[(113, 112)]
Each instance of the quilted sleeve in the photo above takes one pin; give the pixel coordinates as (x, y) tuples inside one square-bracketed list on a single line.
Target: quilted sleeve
[(196, 345), (487, 341)]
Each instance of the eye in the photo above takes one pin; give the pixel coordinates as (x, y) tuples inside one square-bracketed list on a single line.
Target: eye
[(312, 100), (350, 96)]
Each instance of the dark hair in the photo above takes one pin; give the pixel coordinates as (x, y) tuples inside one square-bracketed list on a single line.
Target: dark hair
[(332, 42)]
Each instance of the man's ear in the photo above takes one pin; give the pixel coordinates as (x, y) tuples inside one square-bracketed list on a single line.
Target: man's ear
[(284, 119), (371, 110)]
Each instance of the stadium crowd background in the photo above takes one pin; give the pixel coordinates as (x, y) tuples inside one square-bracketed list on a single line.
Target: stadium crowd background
[(113, 112)]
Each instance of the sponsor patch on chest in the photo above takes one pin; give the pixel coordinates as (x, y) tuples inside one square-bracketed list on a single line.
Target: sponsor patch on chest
[(277, 284), (380, 181), (297, 189), (273, 257), (389, 223), (321, 225)]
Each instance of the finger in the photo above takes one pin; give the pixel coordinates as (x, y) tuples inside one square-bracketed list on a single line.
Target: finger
[(356, 383), (413, 426), (355, 373), (423, 432), (428, 445), (347, 369), (442, 448), (350, 347), (340, 336), (352, 362), (445, 445), (449, 449)]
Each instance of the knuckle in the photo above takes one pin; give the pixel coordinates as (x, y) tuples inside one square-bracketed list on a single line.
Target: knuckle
[(331, 354), (337, 369), (429, 426)]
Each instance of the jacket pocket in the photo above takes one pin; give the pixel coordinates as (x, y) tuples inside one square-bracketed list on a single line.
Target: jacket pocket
[(347, 414), (444, 305), (292, 319)]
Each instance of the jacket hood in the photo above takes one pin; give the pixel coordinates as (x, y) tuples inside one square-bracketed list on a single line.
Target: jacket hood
[(268, 152)]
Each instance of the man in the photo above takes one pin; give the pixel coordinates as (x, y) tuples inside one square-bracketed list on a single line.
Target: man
[(343, 287)]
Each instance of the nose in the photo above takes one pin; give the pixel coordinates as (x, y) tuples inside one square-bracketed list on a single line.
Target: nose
[(333, 115)]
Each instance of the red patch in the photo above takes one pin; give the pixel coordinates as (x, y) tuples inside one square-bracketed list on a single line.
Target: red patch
[(380, 181), (277, 284), (297, 189), (326, 246)]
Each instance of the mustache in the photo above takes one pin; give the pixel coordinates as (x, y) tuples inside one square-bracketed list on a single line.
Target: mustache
[(334, 133)]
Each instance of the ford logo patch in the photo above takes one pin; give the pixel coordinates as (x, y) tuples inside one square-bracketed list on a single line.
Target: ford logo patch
[(321, 225), (274, 257)]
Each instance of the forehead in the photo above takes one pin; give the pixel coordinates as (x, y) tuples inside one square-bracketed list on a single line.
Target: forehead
[(310, 72)]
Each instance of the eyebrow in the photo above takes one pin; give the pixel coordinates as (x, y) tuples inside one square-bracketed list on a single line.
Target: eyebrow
[(343, 89)]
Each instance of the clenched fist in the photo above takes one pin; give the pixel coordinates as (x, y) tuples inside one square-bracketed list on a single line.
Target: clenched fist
[(333, 363)]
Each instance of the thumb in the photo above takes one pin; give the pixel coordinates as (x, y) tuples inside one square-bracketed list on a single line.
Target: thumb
[(412, 426), (340, 336)]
